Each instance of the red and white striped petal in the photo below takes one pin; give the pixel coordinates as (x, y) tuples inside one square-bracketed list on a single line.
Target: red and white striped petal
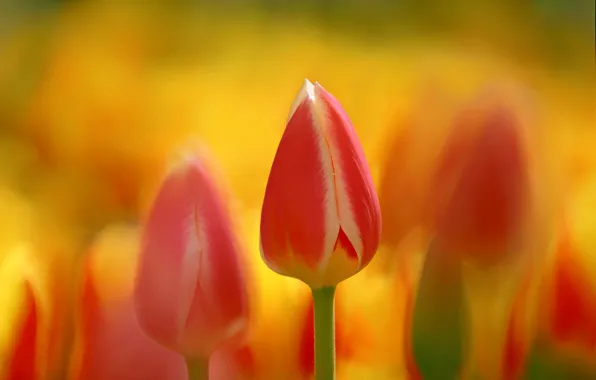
[(358, 204)]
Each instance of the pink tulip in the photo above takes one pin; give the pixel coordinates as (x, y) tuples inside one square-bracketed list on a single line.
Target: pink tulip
[(190, 290), (321, 219)]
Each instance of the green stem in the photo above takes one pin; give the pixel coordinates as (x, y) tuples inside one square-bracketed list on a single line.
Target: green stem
[(198, 368), (324, 332)]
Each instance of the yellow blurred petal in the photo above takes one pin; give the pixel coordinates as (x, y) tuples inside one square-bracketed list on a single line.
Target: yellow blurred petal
[(15, 270), (113, 262), (583, 225)]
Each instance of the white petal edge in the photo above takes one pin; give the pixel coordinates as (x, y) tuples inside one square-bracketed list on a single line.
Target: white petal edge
[(306, 92)]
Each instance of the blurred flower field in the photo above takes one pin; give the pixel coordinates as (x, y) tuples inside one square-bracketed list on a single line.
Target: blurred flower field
[(97, 98)]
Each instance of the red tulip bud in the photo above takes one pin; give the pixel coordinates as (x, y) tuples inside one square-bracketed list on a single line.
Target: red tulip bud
[(321, 218)]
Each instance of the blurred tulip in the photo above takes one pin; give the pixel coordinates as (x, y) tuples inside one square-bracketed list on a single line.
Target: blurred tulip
[(191, 293), (481, 185), (411, 155), (569, 303), (34, 286), (109, 343), (271, 349), (563, 331), (320, 221), (19, 333)]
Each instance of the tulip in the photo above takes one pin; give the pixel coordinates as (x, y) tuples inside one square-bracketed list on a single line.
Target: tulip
[(32, 333), (321, 219), (19, 338), (569, 302), (190, 291), (560, 341), (481, 184), (109, 344), (411, 156), (479, 210)]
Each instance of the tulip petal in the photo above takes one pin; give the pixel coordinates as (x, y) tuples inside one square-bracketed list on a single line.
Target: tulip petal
[(299, 222), (487, 207), (109, 343), (219, 309), (518, 334), (358, 205), (169, 260), (573, 314), (21, 365)]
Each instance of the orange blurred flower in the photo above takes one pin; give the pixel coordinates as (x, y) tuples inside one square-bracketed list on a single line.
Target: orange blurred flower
[(568, 303), (109, 344), (31, 344), (411, 155)]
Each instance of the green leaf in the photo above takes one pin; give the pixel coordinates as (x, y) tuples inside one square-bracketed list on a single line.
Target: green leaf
[(545, 363), (440, 321)]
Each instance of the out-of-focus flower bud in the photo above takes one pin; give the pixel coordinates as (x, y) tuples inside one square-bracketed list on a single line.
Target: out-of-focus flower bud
[(481, 186), (569, 302), (191, 293), (561, 339), (109, 344), (19, 329), (410, 158), (321, 220), (32, 333)]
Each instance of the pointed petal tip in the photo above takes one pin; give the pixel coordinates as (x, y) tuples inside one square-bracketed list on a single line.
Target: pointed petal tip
[(307, 91)]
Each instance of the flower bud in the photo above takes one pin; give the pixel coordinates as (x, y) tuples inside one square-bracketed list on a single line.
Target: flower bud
[(569, 303), (190, 291), (482, 183), (32, 332), (18, 342), (321, 219)]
